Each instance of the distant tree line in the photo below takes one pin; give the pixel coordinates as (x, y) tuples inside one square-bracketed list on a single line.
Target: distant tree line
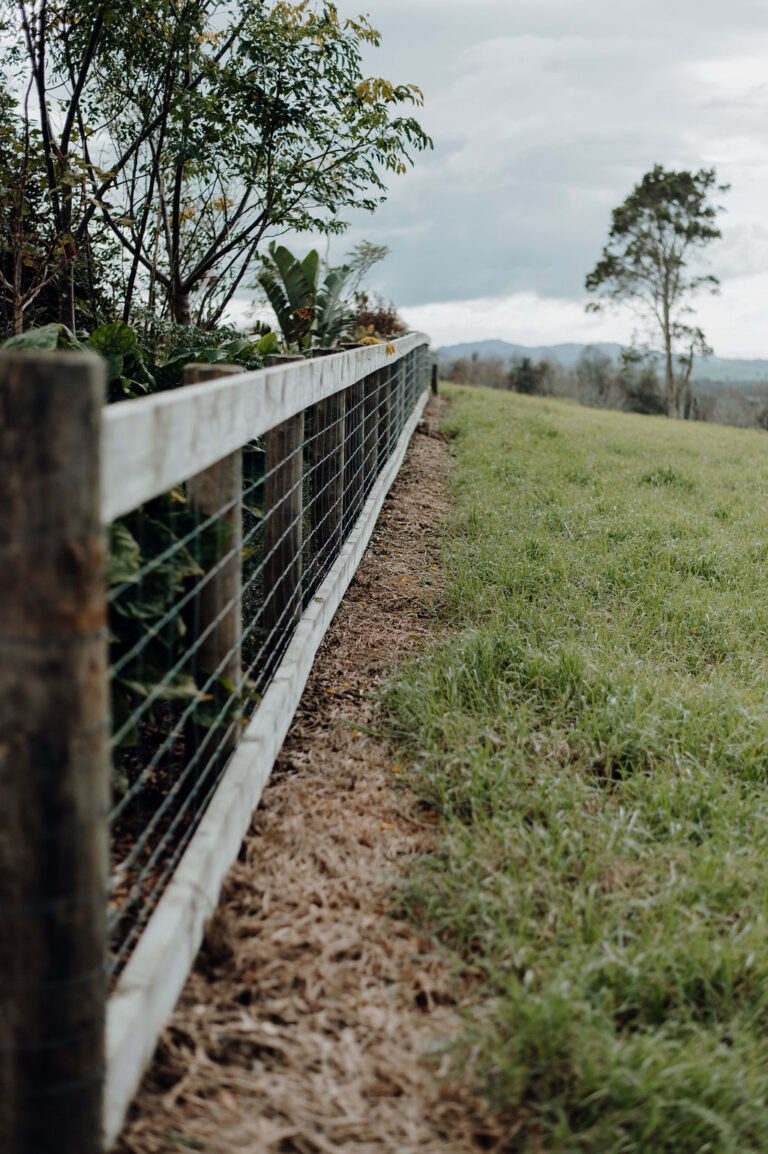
[(632, 385)]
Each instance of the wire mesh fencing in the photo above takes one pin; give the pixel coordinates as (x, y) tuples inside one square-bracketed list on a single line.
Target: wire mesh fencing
[(206, 579), (207, 584)]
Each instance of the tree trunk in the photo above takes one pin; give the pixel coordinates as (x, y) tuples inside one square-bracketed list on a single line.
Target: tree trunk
[(669, 373), (67, 275), (181, 308), (18, 304)]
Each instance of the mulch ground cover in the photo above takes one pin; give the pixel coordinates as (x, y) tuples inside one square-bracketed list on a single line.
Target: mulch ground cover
[(315, 1020)]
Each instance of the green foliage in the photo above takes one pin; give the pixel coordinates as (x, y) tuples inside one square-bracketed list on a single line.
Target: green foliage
[(248, 351), (291, 288), (31, 257), (527, 377), (130, 361), (150, 571), (666, 220), (185, 134), (43, 340), (594, 737), (308, 313), (333, 315), (268, 343), (639, 384), (128, 374), (362, 259)]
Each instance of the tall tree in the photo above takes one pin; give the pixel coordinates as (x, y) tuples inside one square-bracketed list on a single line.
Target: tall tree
[(663, 225), (31, 255)]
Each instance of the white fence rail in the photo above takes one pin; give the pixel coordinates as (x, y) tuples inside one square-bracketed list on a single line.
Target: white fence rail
[(152, 444)]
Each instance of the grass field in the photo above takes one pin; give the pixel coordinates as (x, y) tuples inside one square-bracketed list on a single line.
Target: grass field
[(595, 736)]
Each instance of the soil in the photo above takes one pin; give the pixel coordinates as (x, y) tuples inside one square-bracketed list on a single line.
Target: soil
[(315, 1020)]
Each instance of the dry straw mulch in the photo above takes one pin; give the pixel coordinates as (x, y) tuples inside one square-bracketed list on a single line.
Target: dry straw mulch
[(309, 1020)]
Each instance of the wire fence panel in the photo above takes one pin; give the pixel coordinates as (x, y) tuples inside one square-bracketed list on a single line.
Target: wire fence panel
[(226, 553), (207, 585)]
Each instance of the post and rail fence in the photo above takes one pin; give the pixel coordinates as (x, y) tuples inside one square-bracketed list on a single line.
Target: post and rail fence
[(168, 569)]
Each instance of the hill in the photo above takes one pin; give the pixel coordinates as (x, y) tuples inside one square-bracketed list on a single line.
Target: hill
[(715, 370)]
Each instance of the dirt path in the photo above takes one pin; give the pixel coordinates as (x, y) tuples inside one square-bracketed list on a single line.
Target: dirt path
[(304, 1025)]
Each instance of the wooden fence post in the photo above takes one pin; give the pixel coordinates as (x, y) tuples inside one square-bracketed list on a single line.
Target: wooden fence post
[(397, 402), (353, 463), (371, 438), (283, 529), (220, 599), (434, 378), (54, 775), (384, 413), (328, 503), (406, 377)]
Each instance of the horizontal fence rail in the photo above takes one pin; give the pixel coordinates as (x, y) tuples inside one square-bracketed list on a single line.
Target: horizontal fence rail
[(237, 509), (152, 444)]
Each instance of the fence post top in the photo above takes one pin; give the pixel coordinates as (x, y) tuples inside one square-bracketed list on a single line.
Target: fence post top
[(82, 358)]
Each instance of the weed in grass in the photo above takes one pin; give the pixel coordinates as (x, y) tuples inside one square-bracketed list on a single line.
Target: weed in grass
[(669, 476), (595, 737)]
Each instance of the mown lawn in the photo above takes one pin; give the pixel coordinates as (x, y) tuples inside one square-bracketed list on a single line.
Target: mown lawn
[(595, 736)]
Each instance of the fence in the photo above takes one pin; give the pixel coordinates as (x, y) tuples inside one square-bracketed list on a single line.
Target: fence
[(237, 509)]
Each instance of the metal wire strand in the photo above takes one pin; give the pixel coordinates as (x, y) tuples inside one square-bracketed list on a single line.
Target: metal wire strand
[(184, 711)]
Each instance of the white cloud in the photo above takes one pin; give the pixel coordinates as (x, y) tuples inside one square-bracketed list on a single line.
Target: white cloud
[(522, 318), (545, 113), (736, 322)]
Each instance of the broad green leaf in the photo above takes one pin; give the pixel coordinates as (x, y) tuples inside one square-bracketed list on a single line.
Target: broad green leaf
[(115, 339), (124, 560), (46, 339), (269, 343)]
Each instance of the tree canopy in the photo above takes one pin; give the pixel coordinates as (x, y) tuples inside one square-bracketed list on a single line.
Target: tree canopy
[(166, 141), (664, 223)]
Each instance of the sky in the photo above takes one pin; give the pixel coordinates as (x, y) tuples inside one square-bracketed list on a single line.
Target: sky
[(545, 114)]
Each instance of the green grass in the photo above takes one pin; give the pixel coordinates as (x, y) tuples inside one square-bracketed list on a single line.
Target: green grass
[(595, 736)]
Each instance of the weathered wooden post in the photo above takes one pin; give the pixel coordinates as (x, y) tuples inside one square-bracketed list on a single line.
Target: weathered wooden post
[(434, 378), (54, 776), (384, 413), (370, 431), (328, 505), (353, 462), (397, 402), (283, 529), (218, 605), (327, 502)]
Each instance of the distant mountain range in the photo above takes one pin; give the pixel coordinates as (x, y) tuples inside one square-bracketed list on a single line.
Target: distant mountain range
[(720, 370)]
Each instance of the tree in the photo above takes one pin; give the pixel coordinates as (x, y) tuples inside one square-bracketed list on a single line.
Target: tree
[(30, 257), (525, 377), (729, 406), (188, 130), (666, 220), (638, 384), (594, 374)]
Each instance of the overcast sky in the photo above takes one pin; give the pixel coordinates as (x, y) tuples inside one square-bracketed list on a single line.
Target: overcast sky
[(544, 114)]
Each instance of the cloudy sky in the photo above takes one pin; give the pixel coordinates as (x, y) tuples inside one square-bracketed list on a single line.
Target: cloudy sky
[(544, 114)]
